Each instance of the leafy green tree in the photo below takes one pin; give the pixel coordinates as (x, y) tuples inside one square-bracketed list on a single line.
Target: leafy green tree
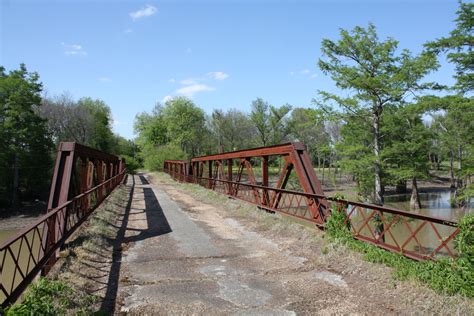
[(406, 148), (459, 47), (270, 122), (452, 119), (25, 145), (102, 136), (308, 126), (185, 124), (233, 129), (375, 74)]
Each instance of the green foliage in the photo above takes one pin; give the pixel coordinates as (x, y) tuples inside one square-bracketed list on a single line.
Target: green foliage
[(231, 130), (185, 124), (271, 122), (24, 136), (132, 164), (376, 75), (445, 275), (44, 297), (459, 47), (154, 156)]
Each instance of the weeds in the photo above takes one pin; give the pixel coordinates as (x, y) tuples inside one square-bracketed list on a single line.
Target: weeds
[(45, 297), (446, 275)]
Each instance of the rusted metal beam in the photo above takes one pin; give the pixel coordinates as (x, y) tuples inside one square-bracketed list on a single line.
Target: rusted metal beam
[(72, 199)]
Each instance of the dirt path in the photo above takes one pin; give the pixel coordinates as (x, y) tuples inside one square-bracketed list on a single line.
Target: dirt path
[(190, 257)]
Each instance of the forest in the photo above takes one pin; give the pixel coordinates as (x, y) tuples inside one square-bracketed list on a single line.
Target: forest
[(386, 127)]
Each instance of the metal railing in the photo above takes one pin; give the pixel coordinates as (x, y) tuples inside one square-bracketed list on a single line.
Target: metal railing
[(417, 236), (34, 248)]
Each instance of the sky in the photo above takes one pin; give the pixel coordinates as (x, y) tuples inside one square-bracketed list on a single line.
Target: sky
[(221, 54)]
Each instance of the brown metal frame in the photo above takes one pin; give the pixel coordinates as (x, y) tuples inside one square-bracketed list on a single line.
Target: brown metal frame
[(391, 229), (83, 177), (295, 156)]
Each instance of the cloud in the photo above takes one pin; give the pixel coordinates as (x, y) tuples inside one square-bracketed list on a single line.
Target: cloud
[(128, 31), (313, 76), (190, 90), (304, 71), (73, 49), (148, 10), (188, 82), (105, 79), (172, 80), (166, 98), (218, 75)]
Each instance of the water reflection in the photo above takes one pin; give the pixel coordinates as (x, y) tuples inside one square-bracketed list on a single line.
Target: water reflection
[(436, 204)]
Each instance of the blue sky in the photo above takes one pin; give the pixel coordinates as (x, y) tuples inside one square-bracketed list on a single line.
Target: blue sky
[(222, 54)]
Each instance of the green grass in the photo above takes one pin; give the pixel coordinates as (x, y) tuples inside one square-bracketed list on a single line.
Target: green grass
[(445, 275), (48, 297)]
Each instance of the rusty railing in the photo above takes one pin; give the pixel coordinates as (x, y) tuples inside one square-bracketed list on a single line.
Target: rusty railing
[(413, 235), (34, 248)]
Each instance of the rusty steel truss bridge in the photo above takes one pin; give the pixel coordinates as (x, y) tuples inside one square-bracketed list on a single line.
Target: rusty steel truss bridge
[(277, 178)]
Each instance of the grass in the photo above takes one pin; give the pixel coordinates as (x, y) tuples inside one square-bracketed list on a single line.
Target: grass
[(446, 275), (71, 288), (50, 297)]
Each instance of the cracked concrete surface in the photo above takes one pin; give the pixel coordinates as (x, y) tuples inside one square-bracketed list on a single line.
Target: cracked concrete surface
[(196, 264), (183, 256), (187, 266)]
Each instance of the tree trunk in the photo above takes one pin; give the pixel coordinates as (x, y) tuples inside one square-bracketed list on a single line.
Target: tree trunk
[(378, 198), (459, 182), (451, 169), (16, 182), (415, 197)]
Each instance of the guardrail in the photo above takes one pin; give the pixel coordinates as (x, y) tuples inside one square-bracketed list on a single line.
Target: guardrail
[(417, 236), (34, 249)]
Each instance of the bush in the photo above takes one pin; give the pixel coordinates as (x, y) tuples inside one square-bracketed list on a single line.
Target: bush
[(154, 157), (131, 164), (44, 297)]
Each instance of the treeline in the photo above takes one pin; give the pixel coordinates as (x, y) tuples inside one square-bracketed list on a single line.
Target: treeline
[(385, 127), (31, 127)]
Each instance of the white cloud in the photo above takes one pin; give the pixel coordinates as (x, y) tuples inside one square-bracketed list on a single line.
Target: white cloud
[(218, 75), (128, 31), (172, 80), (313, 76), (166, 99), (148, 10), (304, 71), (105, 79), (73, 49), (190, 90), (188, 82), (292, 73)]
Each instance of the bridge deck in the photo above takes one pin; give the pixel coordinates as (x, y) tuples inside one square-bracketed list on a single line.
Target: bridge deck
[(184, 256)]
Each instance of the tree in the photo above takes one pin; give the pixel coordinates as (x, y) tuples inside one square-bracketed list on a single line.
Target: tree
[(376, 76), (260, 117), (232, 129), (102, 136), (66, 120), (185, 124), (308, 126), (459, 46), (407, 146), (25, 143), (270, 122), (452, 119)]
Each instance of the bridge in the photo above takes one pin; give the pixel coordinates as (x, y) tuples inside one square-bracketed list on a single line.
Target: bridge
[(176, 252)]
